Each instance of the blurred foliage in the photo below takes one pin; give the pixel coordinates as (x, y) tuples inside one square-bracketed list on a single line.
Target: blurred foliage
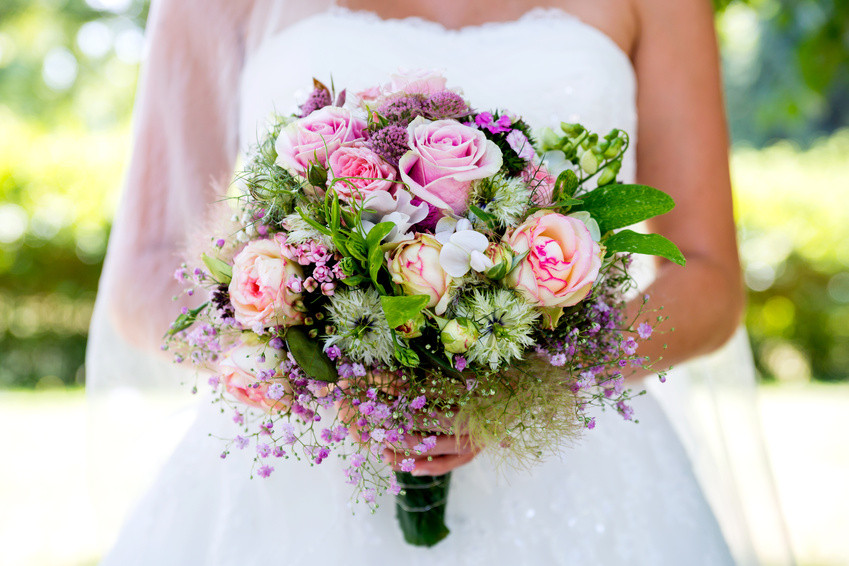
[(786, 68), (793, 209), (68, 69), (57, 193)]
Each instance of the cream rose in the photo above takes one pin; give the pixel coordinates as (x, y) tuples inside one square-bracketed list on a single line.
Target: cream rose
[(414, 265), (445, 158), (562, 263), (258, 290)]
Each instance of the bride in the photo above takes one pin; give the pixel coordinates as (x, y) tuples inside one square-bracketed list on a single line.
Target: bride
[(216, 69)]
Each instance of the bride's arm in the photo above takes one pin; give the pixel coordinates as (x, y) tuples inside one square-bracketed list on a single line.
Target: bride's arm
[(185, 139), (682, 149)]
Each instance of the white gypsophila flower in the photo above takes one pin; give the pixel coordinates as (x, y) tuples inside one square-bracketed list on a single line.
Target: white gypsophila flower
[(505, 321), (361, 330), (298, 231), (382, 206), (462, 247), (505, 198)]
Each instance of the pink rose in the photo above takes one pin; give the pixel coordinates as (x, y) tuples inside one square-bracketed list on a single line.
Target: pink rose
[(371, 173), (417, 81), (541, 182), (248, 372), (313, 138), (446, 157), (259, 292), (562, 262), (414, 265)]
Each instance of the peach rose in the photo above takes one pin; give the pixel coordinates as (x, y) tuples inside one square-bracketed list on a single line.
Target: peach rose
[(258, 290), (562, 263), (249, 371), (445, 158), (313, 138), (369, 171)]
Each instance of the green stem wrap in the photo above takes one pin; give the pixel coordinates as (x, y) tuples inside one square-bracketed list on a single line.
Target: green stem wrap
[(420, 507)]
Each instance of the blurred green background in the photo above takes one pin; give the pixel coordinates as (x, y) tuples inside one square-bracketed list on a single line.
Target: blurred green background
[(67, 76)]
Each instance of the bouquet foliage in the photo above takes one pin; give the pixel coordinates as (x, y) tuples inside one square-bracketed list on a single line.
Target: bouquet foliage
[(402, 266)]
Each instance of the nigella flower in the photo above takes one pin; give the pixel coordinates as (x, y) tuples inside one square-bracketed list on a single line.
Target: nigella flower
[(505, 198), (390, 143), (361, 328), (505, 321)]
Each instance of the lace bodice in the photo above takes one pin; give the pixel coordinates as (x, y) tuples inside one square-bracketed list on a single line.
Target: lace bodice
[(548, 66)]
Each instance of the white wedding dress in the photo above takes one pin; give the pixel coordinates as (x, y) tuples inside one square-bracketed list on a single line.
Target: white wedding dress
[(627, 494)]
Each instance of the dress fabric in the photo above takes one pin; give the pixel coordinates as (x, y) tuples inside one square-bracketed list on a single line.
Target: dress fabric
[(626, 494)]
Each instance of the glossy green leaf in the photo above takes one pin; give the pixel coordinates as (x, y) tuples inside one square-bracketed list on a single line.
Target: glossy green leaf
[(185, 320), (617, 206), (648, 244), (377, 233), (220, 270), (399, 310), (310, 356)]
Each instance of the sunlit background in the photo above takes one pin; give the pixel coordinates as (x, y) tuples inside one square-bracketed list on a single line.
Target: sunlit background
[(68, 71)]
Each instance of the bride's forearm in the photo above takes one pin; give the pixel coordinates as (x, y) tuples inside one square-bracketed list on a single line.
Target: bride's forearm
[(701, 305), (141, 296)]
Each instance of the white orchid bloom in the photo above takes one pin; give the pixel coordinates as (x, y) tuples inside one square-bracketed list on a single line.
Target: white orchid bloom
[(382, 206), (462, 247)]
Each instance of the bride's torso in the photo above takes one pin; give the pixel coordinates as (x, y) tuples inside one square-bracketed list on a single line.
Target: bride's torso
[(547, 66)]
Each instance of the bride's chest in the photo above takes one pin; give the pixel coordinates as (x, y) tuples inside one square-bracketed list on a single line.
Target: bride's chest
[(547, 66)]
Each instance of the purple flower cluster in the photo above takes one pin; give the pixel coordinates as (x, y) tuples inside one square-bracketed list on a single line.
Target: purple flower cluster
[(402, 109), (318, 98), (445, 104), (390, 143)]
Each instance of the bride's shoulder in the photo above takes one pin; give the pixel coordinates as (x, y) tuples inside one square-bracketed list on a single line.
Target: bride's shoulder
[(617, 19)]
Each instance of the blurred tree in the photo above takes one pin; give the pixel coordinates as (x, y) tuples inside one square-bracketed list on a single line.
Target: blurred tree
[(786, 68)]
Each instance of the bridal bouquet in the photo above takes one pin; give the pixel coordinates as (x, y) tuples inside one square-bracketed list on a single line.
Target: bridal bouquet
[(402, 266)]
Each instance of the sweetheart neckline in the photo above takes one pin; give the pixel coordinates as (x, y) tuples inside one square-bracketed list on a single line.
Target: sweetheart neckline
[(536, 14)]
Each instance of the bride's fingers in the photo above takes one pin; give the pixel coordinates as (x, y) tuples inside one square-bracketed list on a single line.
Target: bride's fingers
[(442, 464)]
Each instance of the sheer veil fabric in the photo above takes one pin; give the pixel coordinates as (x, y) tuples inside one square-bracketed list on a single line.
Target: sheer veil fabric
[(645, 494)]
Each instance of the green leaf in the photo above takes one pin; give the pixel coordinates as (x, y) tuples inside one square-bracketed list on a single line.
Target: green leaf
[(185, 320), (220, 270), (399, 310), (517, 259), (354, 280), (310, 356), (568, 201), (565, 185), (649, 244), (482, 214), (356, 246), (617, 206), (309, 220), (375, 262), (376, 234)]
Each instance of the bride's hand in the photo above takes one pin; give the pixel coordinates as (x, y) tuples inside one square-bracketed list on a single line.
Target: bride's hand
[(450, 452)]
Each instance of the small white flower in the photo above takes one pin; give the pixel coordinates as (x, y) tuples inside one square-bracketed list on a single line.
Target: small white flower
[(462, 247)]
